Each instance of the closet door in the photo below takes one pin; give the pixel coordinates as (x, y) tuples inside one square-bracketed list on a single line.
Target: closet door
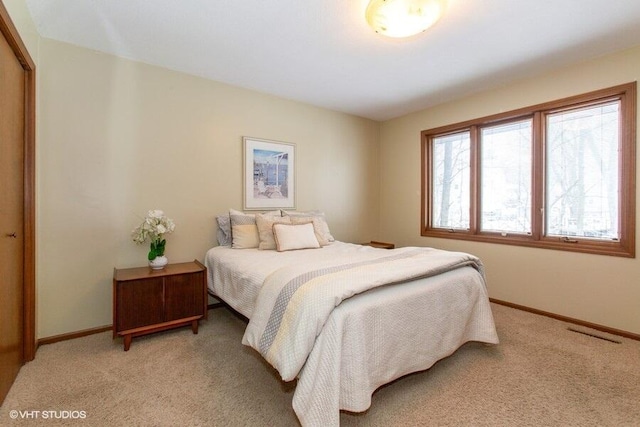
[(17, 204), (12, 137)]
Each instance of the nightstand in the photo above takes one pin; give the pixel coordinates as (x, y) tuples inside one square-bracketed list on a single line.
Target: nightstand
[(147, 301), (381, 245)]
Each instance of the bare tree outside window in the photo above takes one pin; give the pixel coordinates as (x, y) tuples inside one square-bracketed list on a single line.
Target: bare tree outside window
[(559, 175), (582, 172), (505, 169), (451, 181)]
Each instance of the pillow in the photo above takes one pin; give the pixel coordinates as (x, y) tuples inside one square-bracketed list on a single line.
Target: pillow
[(320, 227), (265, 229), (223, 230), (290, 237), (301, 213), (244, 232), (270, 213), (320, 223)]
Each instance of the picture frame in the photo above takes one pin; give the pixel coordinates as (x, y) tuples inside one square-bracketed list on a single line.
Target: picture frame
[(269, 174)]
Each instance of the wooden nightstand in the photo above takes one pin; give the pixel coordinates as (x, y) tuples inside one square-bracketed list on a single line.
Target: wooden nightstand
[(147, 301), (382, 245)]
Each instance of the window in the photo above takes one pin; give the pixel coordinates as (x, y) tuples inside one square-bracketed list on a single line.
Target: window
[(505, 156), (582, 172), (559, 175), (451, 181)]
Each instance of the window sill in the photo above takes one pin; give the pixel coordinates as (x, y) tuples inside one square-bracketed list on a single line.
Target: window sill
[(618, 249)]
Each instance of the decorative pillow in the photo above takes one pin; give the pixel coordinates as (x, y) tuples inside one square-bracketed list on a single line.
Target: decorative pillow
[(301, 213), (244, 232), (269, 213), (320, 223), (290, 237), (265, 229), (319, 227), (223, 230)]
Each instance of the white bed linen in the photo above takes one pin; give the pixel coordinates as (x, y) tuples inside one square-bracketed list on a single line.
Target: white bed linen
[(236, 275), (368, 340)]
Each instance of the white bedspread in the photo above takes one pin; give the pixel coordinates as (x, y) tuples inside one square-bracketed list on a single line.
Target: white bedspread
[(295, 302), (368, 340)]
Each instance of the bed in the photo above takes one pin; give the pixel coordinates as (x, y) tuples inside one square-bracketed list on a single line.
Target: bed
[(351, 318)]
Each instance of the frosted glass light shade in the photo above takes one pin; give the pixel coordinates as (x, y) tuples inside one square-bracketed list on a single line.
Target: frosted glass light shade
[(403, 18)]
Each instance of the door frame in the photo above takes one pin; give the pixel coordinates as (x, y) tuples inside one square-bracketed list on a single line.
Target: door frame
[(10, 33)]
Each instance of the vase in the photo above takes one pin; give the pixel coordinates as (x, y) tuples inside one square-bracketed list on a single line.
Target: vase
[(158, 263)]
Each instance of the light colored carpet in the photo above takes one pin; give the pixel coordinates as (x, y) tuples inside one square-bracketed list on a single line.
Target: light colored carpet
[(540, 374)]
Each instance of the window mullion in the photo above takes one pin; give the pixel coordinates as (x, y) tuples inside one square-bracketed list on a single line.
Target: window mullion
[(474, 205), (427, 183), (627, 169), (538, 178)]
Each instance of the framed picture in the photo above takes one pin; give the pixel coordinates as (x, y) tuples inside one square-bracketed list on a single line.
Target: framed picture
[(269, 174)]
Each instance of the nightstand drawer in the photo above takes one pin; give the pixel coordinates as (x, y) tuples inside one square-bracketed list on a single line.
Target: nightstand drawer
[(183, 296), (139, 303)]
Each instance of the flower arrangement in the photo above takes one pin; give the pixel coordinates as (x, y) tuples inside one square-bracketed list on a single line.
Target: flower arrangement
[(153, 228)]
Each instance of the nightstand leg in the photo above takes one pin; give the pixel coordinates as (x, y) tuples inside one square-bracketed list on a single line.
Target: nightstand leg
[(194, 326), (127, 342)]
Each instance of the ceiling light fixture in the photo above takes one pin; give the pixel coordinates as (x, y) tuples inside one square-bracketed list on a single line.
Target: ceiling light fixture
[(403, 18)]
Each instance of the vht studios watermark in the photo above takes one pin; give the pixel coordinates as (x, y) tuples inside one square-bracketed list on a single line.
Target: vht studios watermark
[(47, 415)]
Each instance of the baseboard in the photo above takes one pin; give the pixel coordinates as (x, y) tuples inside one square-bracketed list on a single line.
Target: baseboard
[(625, 334), (86, 332), (597, 327), (72, 335)]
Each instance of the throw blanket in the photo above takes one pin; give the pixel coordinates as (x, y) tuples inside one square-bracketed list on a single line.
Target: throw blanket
[(295, 302)]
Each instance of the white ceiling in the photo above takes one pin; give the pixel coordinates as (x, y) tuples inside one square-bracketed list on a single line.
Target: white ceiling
[(323, 53)]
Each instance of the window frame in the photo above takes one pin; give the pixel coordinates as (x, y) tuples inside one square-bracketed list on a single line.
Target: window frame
[(624, 247)]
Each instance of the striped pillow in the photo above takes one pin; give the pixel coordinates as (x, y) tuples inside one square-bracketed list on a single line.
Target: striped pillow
[(244, 231)]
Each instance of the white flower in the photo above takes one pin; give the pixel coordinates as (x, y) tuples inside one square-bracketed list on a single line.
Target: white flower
[(154, 226)]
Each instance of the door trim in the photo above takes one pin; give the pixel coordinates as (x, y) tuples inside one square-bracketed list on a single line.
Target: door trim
[(10, 33)]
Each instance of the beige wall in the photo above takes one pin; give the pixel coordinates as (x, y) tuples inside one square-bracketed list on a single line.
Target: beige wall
[(118, 138), (599, 289), (21, 18)]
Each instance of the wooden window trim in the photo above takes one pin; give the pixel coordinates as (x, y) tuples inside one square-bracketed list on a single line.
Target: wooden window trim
[(625, 247)]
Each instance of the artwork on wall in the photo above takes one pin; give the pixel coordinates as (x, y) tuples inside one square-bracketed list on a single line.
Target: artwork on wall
[(269, 174)]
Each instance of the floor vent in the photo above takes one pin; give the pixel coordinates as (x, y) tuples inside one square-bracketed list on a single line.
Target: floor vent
[(592, 334)]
